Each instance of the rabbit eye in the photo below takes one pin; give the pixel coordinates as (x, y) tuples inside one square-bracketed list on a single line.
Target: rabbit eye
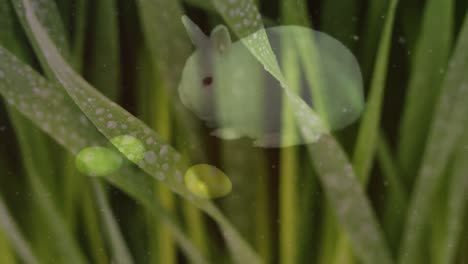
[(207, 81)]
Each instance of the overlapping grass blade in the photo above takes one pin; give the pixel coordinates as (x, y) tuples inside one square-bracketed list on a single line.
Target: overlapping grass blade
[(427, 69), (161, 161), (449, 121), (47, 107), (370, 124), (350, 204)]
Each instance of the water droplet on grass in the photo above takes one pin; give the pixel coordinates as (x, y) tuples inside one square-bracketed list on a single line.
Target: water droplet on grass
[(130, 146), (97, 161), (207, 181)]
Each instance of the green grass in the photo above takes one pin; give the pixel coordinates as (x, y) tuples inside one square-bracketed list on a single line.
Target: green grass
[(389, 189)]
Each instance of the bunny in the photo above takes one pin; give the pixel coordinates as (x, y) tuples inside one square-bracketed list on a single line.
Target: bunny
[(227, 87)]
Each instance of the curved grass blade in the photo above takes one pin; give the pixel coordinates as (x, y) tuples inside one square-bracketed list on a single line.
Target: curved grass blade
[(457, 204), (450, 118), (161, 160), (352, 207), (369, 128), (14, 235), (347, 197), (430, 60), (49, 108)]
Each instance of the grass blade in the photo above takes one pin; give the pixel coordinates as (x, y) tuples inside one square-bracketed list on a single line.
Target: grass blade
[(14, 235), (449, 120), (374, 20), (346, 196), (103, 65), (369, 128), (457, 204), (292, 13), (396, 197), (430, 60), (119, 248)]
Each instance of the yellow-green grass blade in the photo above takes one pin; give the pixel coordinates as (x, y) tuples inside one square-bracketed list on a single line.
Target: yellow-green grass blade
[(289, 165), (292, 12), (427, 70), (67, 125), (370, 124), (161, 161), (447, 127)]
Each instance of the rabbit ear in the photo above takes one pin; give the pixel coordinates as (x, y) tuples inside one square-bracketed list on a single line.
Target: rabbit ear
[(199, 39), (220, 38)]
